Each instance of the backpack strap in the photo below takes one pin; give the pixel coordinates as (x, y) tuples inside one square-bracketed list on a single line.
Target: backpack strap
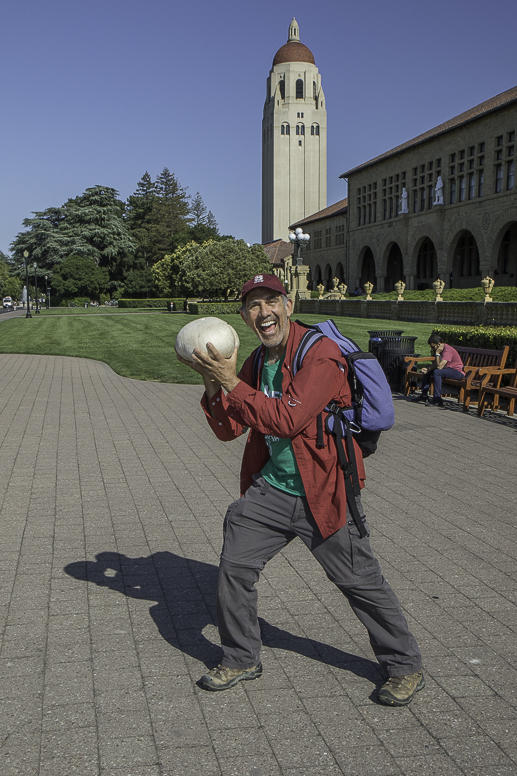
[(340, 430), (309, 339), (258, 359)]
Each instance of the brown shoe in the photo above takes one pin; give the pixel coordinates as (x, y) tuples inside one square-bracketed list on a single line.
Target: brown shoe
[(400, 690), (222, 678)]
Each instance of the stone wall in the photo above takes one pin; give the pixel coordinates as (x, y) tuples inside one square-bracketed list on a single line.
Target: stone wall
[(462, 313)]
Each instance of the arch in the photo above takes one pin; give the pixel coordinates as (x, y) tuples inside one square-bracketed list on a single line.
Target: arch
[(299, 89), (318, 278), (367, 274), (426, 265), (394, 267), (327, 278), (339, 273), (463, 261), (505, 265), (300, 129), (285, 129), (315, 129)]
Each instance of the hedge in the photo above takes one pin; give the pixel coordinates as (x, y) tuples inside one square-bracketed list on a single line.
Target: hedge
[(488, 337), (498, 294), (179, 304), (214, 308)]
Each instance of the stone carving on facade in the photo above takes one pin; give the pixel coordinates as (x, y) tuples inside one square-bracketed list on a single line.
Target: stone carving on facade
[(399, 288), (438, 192), (487, 285), (485, 221), (403, 201), (438, 286), (368, 287)]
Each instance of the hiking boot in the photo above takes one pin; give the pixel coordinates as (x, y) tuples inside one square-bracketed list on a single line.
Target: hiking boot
[(399, 690), (222, 678), (436, 402), (420, 397)]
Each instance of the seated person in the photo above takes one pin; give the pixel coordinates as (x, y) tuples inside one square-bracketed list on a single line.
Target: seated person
[(447, 363)]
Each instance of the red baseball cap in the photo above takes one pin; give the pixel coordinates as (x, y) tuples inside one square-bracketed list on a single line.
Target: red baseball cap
[(263, 281)]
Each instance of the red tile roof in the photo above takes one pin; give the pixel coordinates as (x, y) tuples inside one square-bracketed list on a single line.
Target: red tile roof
[(331, 210), (489, 106), (278, 250)]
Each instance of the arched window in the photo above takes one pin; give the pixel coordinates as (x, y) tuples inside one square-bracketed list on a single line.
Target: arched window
[(284, 129), (315, 129), (282, 89), (300, 129), (299, 89)]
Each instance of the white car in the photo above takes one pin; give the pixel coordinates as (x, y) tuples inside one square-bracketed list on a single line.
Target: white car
[(8, 302)]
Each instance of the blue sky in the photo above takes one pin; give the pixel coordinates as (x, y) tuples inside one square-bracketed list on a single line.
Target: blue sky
[(102, 91)]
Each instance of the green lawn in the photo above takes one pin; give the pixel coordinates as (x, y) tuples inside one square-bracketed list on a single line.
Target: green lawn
[(142, 346)]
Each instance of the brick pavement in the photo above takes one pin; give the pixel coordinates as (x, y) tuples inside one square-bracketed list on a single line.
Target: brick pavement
[(112, 496)]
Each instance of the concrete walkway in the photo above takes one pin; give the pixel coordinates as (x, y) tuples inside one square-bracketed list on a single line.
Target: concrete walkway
[(112, 496)]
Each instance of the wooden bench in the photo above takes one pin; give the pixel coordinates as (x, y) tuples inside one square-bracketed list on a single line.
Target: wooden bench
[(506, 391), (474, 360)]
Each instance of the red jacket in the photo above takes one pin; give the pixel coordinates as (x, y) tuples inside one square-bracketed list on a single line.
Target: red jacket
[(320, 380)]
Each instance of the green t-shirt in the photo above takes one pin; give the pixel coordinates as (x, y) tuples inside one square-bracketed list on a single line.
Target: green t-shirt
[(281, 470)]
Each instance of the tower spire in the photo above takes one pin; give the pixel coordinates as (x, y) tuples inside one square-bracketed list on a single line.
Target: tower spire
[(294, 32)]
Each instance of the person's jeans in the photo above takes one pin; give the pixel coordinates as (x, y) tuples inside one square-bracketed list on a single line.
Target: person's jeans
[(256, 528), (437, 375)]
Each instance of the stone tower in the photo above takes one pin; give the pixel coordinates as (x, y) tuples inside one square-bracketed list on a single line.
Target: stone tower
[(294, 140)]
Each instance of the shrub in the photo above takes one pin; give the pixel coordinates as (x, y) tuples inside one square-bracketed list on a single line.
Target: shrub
[(149, 303), (488, 337), (214, 308)]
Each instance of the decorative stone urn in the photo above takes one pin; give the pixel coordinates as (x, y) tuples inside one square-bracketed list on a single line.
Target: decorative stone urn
[(320, 289), (438, 286), (342, 290), (487, 285), (399, 288), (368, 287)]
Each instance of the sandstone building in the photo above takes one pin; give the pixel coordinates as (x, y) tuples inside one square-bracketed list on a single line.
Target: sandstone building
[(443, 204)]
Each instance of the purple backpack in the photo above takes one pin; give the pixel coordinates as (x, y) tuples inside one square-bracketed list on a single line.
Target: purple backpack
[(372, 408)]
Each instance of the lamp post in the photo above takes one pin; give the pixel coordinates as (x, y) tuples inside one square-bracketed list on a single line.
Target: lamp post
[(36, 287), (26, 257), (47, 292), (298, 238)]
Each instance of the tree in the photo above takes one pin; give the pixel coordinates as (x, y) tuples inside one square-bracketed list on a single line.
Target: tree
[(139, 282), (166, 271), (90, 225), (97, 216), (9, 285), (219, 268), (198, 211), (80, 276)]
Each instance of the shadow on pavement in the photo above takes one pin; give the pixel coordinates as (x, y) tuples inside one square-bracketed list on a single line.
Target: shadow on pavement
[(185, 591)]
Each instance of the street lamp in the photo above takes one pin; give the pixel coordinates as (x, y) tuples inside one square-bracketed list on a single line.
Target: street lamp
[(26, 257), (298, 238), (36, 287), (47, 292)]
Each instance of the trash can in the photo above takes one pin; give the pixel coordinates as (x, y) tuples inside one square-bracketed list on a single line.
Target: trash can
[(392, 359), (377, 338)]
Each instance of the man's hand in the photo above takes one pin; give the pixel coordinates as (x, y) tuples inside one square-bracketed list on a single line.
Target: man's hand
[(215, 370), (424, 370)]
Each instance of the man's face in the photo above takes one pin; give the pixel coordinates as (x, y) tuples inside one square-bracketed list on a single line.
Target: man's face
[(267, 316)]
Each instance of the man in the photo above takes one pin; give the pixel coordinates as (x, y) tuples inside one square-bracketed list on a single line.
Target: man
[(447, 363), (291, 488)]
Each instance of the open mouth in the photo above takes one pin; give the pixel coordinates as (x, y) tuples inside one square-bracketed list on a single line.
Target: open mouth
[(268, 327)]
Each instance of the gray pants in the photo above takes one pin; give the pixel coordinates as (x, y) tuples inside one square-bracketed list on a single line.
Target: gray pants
[(256, 528)]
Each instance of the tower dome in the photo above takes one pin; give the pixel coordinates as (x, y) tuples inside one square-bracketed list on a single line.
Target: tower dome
[(293, 50)]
